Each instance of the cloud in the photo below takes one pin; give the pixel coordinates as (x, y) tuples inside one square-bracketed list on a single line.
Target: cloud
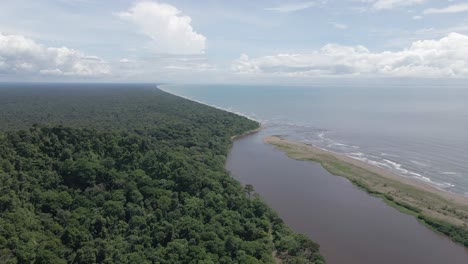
[(446, 57), (458, 8), (165, 68), (199, 67), (287, 8), (340, 25), (125, 60), (391, 4), (19, 54), (75, 1), (170, 32)]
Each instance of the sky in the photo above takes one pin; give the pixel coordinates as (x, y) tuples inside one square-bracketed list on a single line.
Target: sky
[(238, 41)]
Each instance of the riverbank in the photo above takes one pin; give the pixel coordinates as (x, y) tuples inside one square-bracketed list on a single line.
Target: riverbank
[(250, 132), (442, 211)]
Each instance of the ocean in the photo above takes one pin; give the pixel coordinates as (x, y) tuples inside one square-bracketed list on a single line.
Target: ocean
[(418, 132)]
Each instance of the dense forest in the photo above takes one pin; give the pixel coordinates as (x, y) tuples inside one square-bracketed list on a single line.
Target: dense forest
[(128, 174)]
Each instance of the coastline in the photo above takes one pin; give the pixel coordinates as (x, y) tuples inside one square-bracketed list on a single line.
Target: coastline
[(253, 131), (440, 210), (203, 103), (247, 133)]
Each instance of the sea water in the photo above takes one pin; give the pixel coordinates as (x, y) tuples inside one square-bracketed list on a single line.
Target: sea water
[(420, 132)]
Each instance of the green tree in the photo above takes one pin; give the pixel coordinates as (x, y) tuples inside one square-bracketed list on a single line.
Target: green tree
[(249, 189)]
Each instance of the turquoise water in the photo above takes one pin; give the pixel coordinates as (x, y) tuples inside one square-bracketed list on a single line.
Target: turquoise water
[(418, 132)]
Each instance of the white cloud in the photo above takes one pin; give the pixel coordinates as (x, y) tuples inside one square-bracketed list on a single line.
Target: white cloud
[(165, 68), (192, 67), (125, 60), (446, 57), (417, 17), (390, 4), (340, 25), (170, 32), (287, 8), (74, 1), (458, 8), (19, 54)]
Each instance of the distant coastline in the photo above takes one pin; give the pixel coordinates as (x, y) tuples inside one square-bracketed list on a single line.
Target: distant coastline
[(443, 211), (210, 105)]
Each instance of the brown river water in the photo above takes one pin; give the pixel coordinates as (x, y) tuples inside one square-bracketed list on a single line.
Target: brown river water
[(351, 226)]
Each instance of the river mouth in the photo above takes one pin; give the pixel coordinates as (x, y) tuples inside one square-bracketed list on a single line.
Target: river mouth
[(351, 226)]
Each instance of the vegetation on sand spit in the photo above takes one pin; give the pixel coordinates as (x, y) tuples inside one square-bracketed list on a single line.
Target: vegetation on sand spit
[(449, 217)]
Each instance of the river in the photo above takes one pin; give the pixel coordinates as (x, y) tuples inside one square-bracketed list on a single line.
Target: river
[(351, 226)]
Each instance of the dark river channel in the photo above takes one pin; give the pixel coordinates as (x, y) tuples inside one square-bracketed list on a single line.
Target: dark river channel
[(351, 226)]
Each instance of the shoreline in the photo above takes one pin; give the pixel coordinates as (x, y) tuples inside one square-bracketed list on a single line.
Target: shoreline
[(411, 181), (438, 209), (425, 181), (247, 133), (393, 175), (204, 103), (253, 131)]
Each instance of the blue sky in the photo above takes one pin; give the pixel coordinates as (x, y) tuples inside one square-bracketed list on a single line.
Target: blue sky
[(232, 41)]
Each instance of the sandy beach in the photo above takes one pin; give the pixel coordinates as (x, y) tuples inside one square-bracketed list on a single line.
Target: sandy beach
[(425, 199)]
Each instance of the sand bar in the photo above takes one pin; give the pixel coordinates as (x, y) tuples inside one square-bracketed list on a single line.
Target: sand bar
[(432, 202)]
